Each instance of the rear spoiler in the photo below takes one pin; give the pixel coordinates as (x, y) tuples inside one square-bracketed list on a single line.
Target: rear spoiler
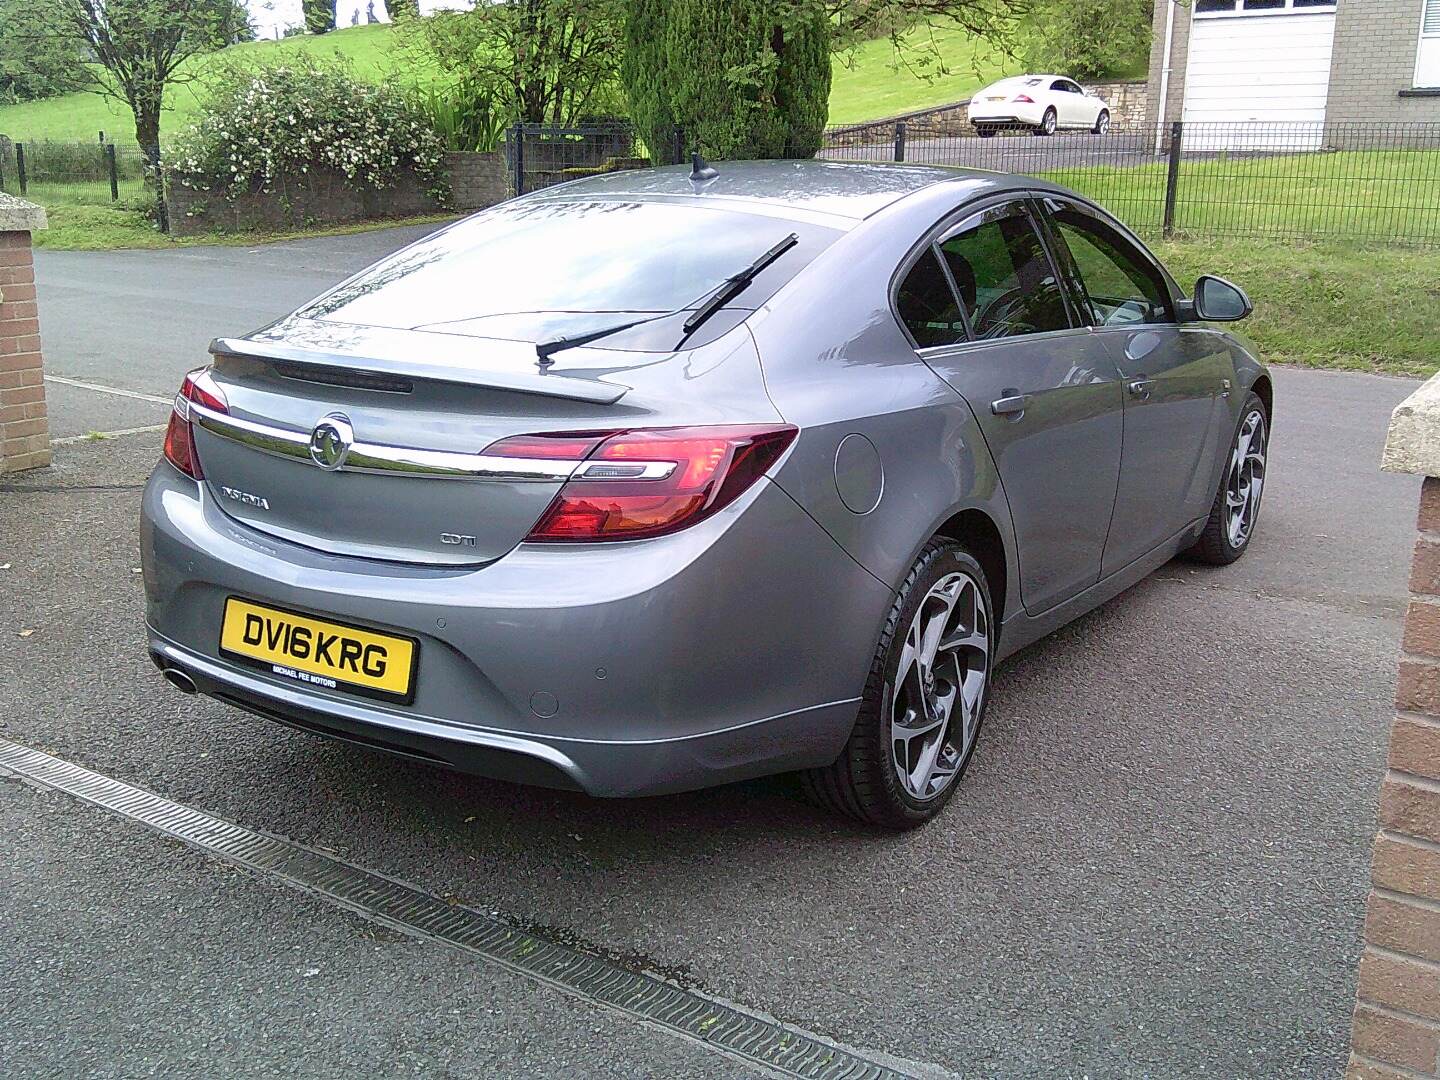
[(450, 359)]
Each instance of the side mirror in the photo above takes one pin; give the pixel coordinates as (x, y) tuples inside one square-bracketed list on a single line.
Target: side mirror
[(1217, 300)]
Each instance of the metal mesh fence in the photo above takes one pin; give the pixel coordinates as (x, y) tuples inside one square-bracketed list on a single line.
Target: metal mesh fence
[(73, 173), (1352, 180), (540, 155)]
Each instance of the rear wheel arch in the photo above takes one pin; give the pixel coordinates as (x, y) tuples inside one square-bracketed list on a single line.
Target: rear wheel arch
[(977, 533)]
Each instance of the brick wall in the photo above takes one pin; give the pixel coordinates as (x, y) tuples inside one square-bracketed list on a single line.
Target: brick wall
[(1396, 1029), (1373, 60), (24, 429)]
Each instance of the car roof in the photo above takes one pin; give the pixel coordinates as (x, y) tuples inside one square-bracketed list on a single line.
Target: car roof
[(835, 193)]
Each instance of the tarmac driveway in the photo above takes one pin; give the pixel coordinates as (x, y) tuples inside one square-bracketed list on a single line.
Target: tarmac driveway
[(1157, 866)]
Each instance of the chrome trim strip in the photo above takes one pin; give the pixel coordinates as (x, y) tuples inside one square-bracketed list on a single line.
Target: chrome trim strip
[(379, 458)]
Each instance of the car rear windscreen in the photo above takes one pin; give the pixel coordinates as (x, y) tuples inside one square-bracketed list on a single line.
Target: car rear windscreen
[(533, 270)]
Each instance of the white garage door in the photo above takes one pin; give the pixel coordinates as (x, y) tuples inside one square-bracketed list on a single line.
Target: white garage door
[(1257, 82)]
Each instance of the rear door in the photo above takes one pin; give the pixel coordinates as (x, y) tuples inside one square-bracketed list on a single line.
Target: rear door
[(1173, 380), (1045, 392)]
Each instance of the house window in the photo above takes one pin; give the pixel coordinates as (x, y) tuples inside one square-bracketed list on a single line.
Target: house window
[(1427, 60), (1261, 7)]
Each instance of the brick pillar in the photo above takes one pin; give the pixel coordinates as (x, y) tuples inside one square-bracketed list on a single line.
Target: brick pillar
[(24, 429), (1397, 1015)]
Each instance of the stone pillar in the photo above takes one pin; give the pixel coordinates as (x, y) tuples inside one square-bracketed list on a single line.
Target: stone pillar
[(1396, 1029)]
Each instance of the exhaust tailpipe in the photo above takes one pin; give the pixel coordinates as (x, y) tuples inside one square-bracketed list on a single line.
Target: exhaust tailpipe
[(178, 679)]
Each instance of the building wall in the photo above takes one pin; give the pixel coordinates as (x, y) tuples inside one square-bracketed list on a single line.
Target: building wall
[(1179, 53), (1373, 65)]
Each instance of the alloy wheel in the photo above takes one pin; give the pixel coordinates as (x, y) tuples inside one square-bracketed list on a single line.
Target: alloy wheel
[(1103, 125), (1245, 480), (935, 701)]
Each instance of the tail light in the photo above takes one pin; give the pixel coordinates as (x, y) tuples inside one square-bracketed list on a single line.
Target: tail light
[(1024, 99), (200, 388), (634, 484)]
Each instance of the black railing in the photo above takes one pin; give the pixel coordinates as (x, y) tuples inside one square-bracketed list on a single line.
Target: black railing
[(543, 154), (1351, 180)]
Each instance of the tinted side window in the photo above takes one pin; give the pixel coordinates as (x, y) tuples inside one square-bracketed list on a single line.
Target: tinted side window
[(1120, 284), (926, 305), (1005, 279)]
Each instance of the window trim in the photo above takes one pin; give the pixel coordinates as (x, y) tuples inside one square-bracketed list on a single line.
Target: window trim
[(930, 239), (1421, 38), (1290, 8), (1077, 282)]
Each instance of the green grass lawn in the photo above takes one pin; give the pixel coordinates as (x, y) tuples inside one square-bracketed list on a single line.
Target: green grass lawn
[(868, 83), (1346, 195), (1355, 307), (83, 116)]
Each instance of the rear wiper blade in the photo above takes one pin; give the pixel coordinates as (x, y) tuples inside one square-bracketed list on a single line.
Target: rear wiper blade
[(732, 286), (714, 300)]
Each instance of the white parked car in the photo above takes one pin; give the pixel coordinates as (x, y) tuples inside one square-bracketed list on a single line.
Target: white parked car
[(1043, 103)]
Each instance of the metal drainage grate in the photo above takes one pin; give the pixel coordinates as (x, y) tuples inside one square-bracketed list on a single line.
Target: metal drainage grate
[(719, 1027)]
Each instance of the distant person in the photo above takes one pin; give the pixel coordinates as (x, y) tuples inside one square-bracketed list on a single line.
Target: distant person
[(355, 17)]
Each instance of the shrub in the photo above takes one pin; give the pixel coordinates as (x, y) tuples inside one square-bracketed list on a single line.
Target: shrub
[(463, 116), (747, 78), (1086, 39), (260, 125)]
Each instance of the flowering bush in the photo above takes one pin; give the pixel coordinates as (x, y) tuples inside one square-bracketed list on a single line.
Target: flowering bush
[(261, 125)]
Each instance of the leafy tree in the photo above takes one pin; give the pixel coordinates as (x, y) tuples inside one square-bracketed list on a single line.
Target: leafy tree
[(142, 45), (643, 72), (752, 77), (1087, 38), (319, 15), (35, 64), (747, 78), (540, 61), (400, 10)]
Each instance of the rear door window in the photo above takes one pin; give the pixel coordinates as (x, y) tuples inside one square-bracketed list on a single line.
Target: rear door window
[(1007, 284)]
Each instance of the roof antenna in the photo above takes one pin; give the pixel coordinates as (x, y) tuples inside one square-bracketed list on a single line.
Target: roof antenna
[(700, 169)]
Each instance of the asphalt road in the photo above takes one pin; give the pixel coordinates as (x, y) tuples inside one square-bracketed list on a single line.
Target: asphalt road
[(138, 320), (1157, 867)]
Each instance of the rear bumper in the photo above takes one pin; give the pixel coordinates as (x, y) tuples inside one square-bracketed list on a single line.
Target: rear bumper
[(733, 649), (1005, 113)]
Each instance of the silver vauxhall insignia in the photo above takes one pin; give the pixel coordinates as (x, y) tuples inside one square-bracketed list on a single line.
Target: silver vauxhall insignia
[(653, 480)]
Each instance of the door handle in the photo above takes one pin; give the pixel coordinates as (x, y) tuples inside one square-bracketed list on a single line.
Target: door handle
[(1012, 405), (1140, 387)]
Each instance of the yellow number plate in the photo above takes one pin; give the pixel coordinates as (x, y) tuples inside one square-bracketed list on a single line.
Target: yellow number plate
[(319, 653)]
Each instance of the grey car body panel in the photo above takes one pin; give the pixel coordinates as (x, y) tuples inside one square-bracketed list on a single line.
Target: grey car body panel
[(355, 514), (738, 646), (627, 638)]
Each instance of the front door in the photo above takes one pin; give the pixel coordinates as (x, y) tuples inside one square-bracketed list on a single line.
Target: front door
[(1046, 394), (1173, 381)]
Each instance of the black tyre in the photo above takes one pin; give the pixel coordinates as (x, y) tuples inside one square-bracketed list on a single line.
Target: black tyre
[(924, 700), (1236, 508), (985, 131), (1102, 123), (1048, 123)]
